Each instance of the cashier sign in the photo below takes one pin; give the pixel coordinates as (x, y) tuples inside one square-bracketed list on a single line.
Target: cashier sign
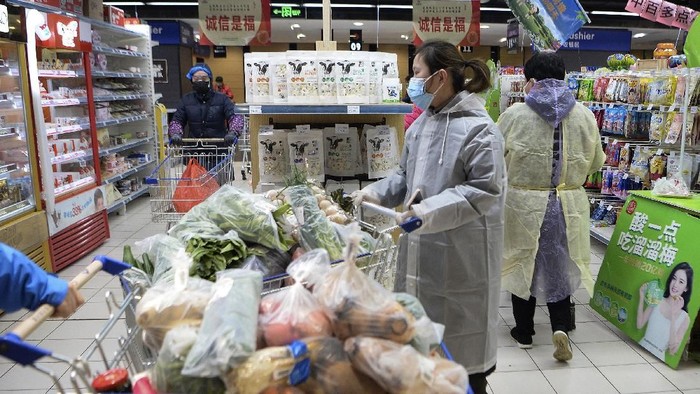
[(237, 23), (456, 22)]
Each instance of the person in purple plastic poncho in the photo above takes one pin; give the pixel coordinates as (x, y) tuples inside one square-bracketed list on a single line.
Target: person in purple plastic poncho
[(552, 144)]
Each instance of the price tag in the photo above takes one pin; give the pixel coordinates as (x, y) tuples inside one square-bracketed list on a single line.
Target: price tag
[(592, 200), (383, 129), (342, 128), (611, 105), (639, 107), (266, 128), (353, 109), (693, 110), (255, 109), (672, 108), (303, 128), (645, 149), (672, 154), (650, 107)]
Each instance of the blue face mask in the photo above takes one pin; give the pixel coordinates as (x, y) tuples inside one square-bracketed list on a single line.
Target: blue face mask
[(417, 94)]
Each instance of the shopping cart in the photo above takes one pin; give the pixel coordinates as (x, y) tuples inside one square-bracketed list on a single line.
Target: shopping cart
[(244, 147), (122, 355), (164, 179)]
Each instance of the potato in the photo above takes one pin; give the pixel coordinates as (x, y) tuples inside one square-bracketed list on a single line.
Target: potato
[(330, 211), (325, 204), (338, 218)]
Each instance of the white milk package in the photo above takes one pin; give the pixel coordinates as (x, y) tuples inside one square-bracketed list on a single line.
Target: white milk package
[(331, 77), (273, 156), (306, 153), (341, 144), (382, 151)]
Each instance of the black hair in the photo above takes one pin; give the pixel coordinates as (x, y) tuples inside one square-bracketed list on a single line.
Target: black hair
[(688, 286), (544, 65), (98, 194), (219, 79), (439, 55)]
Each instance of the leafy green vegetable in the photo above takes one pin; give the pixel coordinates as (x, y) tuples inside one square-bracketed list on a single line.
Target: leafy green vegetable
[(316, 230), (345, 202), (213, 254), (144, 264)]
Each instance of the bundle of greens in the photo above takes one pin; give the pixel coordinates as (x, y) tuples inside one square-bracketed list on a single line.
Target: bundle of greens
[(315, 229), (160, 250), (213, 253), (144, 264)]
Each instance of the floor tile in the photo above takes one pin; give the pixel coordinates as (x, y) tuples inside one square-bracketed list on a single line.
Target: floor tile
[(4, 368), (542, 356), (540, 316), (27, 378), (99, 281), (4, 325), (77, 329), (638, 378), (91, 310), (691, 391), (504, 338), (514, 359), (14, 316), (43, 330), (610, 353), (686, 377), (67, 347), (594, 331), (581, 296), (579, 381), (522, 382)]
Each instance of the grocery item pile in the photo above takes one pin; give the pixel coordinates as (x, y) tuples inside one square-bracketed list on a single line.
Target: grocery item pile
[(331, 330)]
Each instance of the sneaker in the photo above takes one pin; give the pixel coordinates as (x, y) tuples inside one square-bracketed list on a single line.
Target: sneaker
[(524, 341), (562, 346)]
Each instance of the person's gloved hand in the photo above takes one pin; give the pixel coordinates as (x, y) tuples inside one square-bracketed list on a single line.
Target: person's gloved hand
[(176, 139), (231, 138), (72, 301), (359, 196), (402, 217)]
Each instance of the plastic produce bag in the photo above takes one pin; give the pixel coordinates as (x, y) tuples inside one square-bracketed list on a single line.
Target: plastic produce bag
[(428, 335), (274, 366), (361, 305), (166, 376), (170, 304), (315, 229), (311, 268), (294, 314), (401, 369), (228, 333), (194, 187), (161, 249)]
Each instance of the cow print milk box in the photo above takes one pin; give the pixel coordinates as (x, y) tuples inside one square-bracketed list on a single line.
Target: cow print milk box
[(302, 77), (306, 152), (382, 151), (341, 144)]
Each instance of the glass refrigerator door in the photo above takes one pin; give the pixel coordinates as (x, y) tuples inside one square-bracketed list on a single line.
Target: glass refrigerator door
[(16, 189)]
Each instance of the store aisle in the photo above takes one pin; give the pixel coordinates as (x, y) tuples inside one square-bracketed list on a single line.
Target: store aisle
[(604, 360)]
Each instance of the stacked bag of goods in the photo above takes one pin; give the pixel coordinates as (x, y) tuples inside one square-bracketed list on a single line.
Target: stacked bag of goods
[(335, 330)]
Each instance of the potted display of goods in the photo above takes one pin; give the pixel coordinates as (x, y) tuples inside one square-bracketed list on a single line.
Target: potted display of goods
[(618, 61)]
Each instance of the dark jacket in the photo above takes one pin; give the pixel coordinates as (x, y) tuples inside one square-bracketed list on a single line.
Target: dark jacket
[(218, 122)]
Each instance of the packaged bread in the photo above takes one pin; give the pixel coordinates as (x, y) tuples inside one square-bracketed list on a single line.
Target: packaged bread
[(273, 366)]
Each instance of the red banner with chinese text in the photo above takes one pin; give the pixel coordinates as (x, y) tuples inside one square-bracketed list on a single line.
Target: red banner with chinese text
[(237, 23), (456, 22), (663, 12)]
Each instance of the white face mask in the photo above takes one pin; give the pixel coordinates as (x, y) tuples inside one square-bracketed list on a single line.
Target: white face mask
[(418, 95)]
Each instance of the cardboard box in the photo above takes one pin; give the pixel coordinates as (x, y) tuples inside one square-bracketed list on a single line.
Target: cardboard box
[(94, 9), (114, 15), (652, 64)]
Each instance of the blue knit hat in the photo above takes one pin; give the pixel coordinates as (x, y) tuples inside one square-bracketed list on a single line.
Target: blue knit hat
[(199, 67)]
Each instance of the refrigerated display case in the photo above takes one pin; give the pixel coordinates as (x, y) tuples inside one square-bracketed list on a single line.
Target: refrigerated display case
[(23, 223)]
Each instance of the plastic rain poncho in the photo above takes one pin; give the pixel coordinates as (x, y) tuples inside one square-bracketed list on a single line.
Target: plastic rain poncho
[(528, 130), (452, 263)]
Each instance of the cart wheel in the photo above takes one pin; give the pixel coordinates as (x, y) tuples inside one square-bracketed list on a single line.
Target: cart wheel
[(243, 175)]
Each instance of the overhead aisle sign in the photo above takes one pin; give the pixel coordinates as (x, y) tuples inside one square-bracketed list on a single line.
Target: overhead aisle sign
[(549, 23), (456, 22)]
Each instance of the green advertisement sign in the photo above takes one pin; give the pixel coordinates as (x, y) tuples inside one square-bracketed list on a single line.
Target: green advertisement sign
[(648, 284)]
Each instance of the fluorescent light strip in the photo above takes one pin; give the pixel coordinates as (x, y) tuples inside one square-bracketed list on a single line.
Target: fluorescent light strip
[(396, 7), (318, 5), (173, 3), (124, 3), (613, 13), (284, 4), (495, 9)]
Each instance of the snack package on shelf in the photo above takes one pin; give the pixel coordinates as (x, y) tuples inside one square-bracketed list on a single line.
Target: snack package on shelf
[(273, 156), (327, 77), (640, 163), (270, 367), (260, 77), (657, 166), (382, 152), (661, 90), (353, 78), (362, 306), (227, 335), (279, 75), (401, 369), (167, 377), (341, 146), (302, 78), (657, 127), (306, 153), (675, 127), (167, 305), (676, 169)]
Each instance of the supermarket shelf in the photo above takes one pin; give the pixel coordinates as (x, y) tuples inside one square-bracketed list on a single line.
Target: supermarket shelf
[(123, 147), (117, 52), (127, 173), (69, 157), (119, 74), (111, 28), (602, 234), (306, 109), (14, 209), (74, 185), (67, 129), (8, 133), (57, 74), (643, 107), (7, 170), (121, 97), (128, 119), (125, 200), (63, 102)]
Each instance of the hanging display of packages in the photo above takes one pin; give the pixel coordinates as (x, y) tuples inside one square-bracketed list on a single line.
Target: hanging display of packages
[(306, 153), (382, 152), (341, 144)]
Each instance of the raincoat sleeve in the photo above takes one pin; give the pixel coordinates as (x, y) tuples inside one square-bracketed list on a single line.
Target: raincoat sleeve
[(392, 190), (23, 284), (477, 195), (599, 156)]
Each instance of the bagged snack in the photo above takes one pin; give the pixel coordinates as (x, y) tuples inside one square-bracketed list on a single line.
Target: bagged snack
[(599, 88), (341, 146), (315, 229), (332, 371), (633, 93), (306, 153), (674, 125), (382, 152), (640, 164), (228, 332), (259, 63), (167, 305), (302, 78), (624, 162), (167, 376), (662, 90), (273, 160), (327, 78), (353, 78), (428, 335), (273, 366), (280, 75), (391, 90), (610, 90), (585, 90), (374, 85), (361, 305), (401, 369), (676, 169), (657, 128)]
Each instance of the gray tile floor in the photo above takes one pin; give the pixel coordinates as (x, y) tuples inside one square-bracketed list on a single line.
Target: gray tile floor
[(605, 361)]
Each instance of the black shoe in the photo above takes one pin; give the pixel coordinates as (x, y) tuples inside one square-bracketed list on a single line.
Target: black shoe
[(524, 341)]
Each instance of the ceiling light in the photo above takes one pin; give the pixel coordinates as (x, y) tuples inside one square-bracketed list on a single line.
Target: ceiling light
[(358, 23), (495, 9), (485, 26), (123, 3), (300, 36), (173, 3), (405, 37), (639, 35), (284, 4), (613, 13), (295, 26), (396, 7), (318, 5), (503, 39)]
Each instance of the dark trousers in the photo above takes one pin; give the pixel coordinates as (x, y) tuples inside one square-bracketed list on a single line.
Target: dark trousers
[(477, 381), (524, 313)]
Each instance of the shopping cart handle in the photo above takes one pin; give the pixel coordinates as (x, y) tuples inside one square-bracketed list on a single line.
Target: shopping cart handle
[(412, 224)]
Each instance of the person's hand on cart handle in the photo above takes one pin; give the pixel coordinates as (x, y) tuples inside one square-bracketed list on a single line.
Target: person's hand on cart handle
[(403, 217), (71, 303), (360, 196), (176, 140), (231, 138)]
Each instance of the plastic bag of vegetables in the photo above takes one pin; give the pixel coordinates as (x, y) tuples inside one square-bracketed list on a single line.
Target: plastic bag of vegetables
[(428, 335), (311, 268), (169, 304), (362, 306), (401, 369), (166, 375), (293, 314), (228, 332), (315, 229), (161, 250)]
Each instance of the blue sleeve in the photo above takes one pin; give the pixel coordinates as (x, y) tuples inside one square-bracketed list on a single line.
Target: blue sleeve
[(23, 284)]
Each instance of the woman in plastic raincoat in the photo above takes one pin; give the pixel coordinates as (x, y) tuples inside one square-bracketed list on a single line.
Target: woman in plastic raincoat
[(552, 145), (453, 154)]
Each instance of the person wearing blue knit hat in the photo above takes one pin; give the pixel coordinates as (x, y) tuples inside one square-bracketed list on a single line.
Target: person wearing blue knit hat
[(208, 114)]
